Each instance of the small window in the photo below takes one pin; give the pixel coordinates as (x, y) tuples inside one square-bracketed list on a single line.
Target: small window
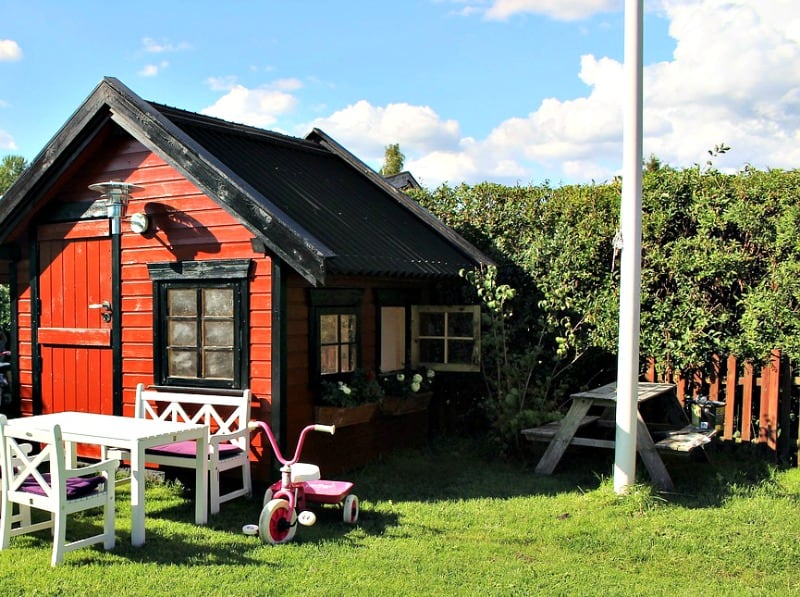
[(200, 333), (335, 331), (201, 323), (338, 342), (446, 338)]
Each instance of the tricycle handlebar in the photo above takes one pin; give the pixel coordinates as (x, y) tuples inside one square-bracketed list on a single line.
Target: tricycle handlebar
[(273, 442)]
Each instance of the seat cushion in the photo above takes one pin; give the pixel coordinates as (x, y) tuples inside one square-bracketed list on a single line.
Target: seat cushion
[(188, 449), (76, 486)]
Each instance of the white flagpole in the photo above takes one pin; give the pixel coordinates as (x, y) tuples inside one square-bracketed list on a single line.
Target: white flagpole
[(631, 259)]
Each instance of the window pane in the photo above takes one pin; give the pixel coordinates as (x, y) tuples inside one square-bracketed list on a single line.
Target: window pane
[(182, 302), (218, 364), (431, 324), (218, 333), (459, 324), (182, 363), (431, 351), (348, 352), (460, 351), (329, 359), (182, 333), (328, 329), (348, 323), (218, 302)]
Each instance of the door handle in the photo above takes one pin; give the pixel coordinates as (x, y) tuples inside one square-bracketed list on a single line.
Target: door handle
[(106, 308)]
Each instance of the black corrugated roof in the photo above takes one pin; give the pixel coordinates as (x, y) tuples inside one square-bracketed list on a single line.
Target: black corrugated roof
[(363, 224), (310, 201)]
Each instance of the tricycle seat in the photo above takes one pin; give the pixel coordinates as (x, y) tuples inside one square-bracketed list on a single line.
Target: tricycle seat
[(304, 471)]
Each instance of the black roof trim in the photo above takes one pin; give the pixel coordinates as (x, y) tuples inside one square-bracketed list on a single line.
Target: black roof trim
[(285, 237)]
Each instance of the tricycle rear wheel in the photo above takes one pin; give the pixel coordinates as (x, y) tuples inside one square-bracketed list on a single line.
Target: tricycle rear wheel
[(350, 509)]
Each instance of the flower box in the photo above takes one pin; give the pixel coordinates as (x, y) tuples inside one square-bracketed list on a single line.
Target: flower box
[(342, 416), (397, 405)]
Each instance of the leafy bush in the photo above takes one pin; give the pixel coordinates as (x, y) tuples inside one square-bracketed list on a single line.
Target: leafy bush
[(720, 274)]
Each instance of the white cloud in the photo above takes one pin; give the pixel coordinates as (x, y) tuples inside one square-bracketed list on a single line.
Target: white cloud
[(257, 107), (366, 129), (7, 141), (10, 51), (567, 10), (153, 46), (152, 70), (734, 78)]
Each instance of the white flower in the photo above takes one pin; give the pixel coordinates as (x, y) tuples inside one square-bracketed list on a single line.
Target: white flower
[(400, 377), (417, 379), (346, 389), (415, 386), (430, 373)]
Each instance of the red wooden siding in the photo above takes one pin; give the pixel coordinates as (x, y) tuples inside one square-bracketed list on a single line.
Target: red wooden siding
[(185, 225)]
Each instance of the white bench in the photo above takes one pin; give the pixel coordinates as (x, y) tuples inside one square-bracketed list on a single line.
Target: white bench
[(226, 415)]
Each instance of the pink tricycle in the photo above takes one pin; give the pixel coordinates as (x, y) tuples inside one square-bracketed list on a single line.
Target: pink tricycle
[(285, 501)]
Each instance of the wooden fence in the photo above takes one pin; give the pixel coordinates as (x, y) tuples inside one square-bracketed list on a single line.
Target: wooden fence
[(760, 402)]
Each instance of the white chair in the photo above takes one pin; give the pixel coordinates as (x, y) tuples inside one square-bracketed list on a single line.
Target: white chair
[(43, 481), (23, 516)]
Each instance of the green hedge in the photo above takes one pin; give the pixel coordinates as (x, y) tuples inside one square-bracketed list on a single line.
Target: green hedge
[(720, 268)]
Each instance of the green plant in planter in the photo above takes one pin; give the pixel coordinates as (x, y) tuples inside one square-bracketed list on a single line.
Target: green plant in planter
[(362, 388), (408, 383)]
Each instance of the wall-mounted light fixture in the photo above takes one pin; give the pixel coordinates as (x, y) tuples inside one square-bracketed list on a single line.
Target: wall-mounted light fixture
[(117, 194)]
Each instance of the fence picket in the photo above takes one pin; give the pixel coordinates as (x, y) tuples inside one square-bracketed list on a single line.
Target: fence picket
[(749, 393)]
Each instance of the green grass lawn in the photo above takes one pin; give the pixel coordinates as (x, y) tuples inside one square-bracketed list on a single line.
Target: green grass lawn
[(453, 520)]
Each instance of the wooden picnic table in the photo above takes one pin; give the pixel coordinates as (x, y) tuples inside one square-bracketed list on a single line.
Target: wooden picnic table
[(673, 422)]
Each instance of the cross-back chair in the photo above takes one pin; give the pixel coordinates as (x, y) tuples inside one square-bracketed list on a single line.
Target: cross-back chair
[(41, 480)]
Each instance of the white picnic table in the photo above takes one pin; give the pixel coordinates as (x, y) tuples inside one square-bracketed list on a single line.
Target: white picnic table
[(561, 435)]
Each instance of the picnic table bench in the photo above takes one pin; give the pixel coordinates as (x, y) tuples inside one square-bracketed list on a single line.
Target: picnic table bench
[(668, 429)]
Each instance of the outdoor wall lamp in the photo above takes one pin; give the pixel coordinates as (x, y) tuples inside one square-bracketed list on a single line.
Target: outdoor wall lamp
[(117, 194)]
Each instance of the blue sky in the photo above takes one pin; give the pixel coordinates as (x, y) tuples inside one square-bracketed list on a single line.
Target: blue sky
[(511, 91)]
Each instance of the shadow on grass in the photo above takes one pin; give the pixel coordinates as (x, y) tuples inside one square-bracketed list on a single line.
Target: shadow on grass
[(459, 468), (449, 468)]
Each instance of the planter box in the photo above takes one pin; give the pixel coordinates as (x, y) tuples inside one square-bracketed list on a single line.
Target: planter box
[(344, 416), (395, 405)]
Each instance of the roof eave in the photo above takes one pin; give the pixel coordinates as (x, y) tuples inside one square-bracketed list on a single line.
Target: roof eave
[(282, 235)]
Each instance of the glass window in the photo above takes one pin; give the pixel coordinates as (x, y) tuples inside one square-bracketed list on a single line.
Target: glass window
[(446, 338), (201, 323), (200, 336), (338, 343)]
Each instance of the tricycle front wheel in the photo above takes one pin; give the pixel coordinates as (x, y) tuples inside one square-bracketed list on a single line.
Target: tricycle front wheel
[(277, 523)]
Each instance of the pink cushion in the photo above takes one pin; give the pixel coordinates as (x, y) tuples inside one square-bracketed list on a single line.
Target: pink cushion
[(76, 486), (188, 449)]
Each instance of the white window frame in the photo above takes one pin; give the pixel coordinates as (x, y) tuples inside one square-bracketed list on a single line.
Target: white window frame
[(474, 365)]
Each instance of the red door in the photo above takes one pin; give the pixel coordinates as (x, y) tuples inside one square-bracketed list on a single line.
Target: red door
[(75, 317)]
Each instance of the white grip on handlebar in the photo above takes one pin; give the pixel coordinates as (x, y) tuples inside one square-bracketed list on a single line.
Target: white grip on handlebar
[(325, 428)]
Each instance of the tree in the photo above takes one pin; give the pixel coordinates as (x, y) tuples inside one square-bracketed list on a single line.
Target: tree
[(10, 168), (393, 160)]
